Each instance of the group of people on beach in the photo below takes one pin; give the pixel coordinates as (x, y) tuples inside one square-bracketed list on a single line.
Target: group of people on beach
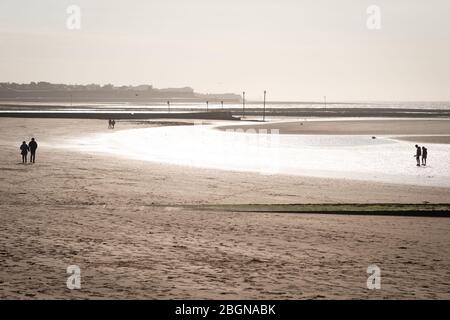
[(111, 124), (421, 152), (30, 147)]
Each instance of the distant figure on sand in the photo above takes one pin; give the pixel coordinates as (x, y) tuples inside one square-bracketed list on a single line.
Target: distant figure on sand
[(424, 156), (113, 123), (109, 124), (32, 145), (24, 151), (418, 154)]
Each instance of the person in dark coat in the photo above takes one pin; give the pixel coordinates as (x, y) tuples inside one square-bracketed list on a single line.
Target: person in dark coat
[(32, 145), (418, 154), (424, 156), (24, 151)]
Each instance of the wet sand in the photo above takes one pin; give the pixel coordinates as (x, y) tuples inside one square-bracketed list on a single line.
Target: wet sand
[(110, 176), (353, 127), (117, 220), (252, 110), (129, 115), (425, 139)]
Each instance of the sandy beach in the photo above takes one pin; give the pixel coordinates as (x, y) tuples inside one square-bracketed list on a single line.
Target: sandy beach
[(120, 221), (237, 152)]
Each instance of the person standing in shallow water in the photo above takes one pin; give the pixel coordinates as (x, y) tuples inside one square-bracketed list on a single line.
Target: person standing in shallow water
[(424, 156), (32, 145), (24, 151), (418, 154)]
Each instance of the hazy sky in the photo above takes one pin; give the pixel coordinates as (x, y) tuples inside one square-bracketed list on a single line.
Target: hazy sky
[(294, 49)]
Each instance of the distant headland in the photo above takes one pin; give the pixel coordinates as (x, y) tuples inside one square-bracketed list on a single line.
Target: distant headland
[(51, 92)]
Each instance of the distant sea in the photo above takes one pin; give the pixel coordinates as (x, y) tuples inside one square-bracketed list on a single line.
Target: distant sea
[(183, 106)]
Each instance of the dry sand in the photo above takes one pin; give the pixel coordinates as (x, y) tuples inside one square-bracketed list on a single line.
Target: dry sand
[(116, 219), (148, 252)]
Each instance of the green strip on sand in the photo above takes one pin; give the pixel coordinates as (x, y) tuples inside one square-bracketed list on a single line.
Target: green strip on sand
[(425, 210)]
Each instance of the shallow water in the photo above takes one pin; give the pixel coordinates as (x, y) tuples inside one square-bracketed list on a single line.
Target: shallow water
[(351, 157), (201, 106)]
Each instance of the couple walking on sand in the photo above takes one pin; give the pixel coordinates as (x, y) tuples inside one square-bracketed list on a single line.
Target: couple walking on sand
[(421, 152), (111, 124), (31, 147)]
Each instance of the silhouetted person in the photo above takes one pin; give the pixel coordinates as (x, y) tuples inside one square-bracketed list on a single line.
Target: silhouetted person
[(418, 154), (109, 124), (113, 123), (24, 151), (424, 156), (32, 145)]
